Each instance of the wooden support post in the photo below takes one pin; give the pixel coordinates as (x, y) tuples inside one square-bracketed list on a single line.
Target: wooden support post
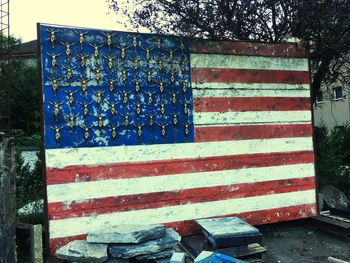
[(37, 244)]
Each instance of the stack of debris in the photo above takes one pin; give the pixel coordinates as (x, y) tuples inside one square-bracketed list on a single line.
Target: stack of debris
[(123, 243), (230, 236)]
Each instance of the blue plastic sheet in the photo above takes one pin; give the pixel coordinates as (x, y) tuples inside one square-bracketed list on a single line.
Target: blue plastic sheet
[(220, 258)]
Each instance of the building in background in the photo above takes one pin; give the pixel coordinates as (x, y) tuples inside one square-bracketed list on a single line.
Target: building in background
[(332, 107), (26, 51)]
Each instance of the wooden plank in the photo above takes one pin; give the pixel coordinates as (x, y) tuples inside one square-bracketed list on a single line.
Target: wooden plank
[(60, 210), (248, 62), (248, 48), (249, 76), (139, 169)]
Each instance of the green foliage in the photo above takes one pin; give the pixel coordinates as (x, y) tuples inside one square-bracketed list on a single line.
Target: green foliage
[(333, 156), (22, 139), (24, 97), (10, 42), (20, 78), (29, 187)]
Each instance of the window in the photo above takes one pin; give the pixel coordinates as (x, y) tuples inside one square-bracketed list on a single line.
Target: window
[(319, 98), (337, 93)]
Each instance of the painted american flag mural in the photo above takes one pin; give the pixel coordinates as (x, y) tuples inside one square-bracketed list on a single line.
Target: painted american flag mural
[(146, 129)]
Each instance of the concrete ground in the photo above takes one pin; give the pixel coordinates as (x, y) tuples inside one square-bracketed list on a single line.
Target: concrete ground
[(297, 241)]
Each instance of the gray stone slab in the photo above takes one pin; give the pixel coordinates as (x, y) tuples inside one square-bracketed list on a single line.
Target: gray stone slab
[(162, 254), (178, 257), (170, 239), (226, 226), (229, 231), (126, 234), (82, 251)]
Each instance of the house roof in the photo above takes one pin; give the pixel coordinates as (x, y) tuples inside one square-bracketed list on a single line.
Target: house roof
[(27, 49)]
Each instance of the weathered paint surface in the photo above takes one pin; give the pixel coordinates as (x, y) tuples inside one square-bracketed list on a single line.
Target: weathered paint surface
[(130, 186), (101, 155), (252, 154), (88, 173), (248, 48), (248, 62), (82, 225), (250, 117)]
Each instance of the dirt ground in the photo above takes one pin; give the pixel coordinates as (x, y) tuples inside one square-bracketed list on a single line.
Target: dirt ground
[(296, 241)]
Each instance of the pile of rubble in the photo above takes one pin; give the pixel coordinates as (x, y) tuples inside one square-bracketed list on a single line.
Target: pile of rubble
[(123, 243)]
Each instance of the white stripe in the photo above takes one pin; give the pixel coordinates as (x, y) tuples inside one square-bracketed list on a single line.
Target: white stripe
[(249, 93), (83, 225), (248, 62), (250, 117), (249, 86), (175, 182), (60, 158)]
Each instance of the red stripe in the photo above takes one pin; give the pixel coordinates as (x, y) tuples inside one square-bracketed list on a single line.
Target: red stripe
[(251, 104), (249, 76), (186, 228), (108, 205), (227, 133), (248, 48), (141, 169)]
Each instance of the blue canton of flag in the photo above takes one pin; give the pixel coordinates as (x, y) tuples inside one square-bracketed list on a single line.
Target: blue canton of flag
[(106, 88)]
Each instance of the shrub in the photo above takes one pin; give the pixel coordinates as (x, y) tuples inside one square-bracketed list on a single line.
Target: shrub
[(333, 156)]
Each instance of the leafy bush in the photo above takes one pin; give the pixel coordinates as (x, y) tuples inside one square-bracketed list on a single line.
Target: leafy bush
[(23, 138), (333, 156), (29, 188)]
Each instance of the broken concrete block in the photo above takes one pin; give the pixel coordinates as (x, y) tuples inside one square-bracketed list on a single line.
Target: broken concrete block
[(335, 198), (82, 251), (229, 231), (178, 257), (170, 239), (126, 234)]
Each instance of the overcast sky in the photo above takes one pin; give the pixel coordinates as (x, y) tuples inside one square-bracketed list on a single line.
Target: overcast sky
[(24, 14)]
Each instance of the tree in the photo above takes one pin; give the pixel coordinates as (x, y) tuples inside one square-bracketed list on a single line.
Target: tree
[(24, 97), (23, 90), (323, 24)]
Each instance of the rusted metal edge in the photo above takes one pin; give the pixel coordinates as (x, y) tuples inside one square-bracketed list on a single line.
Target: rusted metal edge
[(331, 225)]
